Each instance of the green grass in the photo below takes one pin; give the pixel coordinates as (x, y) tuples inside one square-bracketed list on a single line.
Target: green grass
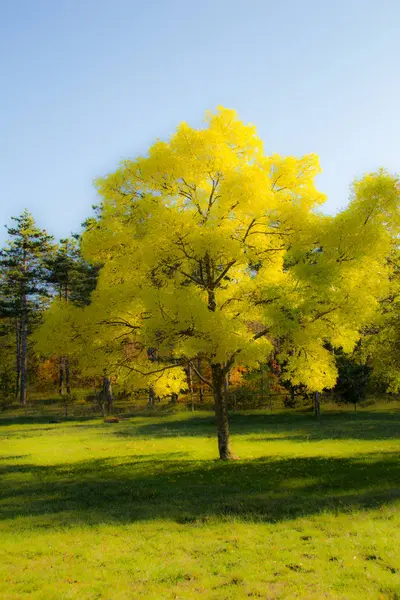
[(142, 509)]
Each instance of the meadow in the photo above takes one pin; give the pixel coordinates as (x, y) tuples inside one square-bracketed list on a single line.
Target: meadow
[(143, 509)]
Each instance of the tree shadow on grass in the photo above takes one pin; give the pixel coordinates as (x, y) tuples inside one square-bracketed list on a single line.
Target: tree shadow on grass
[(290, 426), (263, 426), (170, 487), (43, 419)]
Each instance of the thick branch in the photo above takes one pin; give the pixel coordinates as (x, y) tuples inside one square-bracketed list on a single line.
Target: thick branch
[(224, 272)]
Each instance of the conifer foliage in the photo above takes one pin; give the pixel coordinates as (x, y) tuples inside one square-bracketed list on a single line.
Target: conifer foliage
[(23, 286)]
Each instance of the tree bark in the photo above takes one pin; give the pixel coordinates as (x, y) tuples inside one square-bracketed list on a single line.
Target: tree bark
[(201, 388), (226, 390), (151, 397), (221, 413), (317, 405), (107, 390), (67, 381)]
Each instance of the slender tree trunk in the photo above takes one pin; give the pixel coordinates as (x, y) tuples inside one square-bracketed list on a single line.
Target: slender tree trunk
[(17, 357), (201, 388), (101, 401), (221, 413), (292, 396), (262, 383), (61, 377), (24, 359), (317, 405), (107, 390), (24, 336), (66, 360), (151, 397), (190, 382), (67, 382)]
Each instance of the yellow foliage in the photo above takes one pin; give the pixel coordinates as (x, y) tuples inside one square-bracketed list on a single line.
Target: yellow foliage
[(205, 237)]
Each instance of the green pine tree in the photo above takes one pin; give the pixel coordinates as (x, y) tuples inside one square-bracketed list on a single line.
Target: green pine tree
[(23, 286)]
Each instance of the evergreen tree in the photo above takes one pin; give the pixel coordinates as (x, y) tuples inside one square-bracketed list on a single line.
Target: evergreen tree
[(23, 286), (353, 378)]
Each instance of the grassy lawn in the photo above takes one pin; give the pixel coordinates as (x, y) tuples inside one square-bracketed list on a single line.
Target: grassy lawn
[(141, 509)]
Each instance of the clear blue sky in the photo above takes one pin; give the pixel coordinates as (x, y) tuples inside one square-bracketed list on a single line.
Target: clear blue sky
[(85, 83)]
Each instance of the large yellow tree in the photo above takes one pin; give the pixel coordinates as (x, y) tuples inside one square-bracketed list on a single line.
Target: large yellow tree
[(211, 248)]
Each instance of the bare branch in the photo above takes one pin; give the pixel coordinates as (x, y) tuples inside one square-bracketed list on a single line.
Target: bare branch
[(146, 374), (224, 272), (248, 230), (260, 334)]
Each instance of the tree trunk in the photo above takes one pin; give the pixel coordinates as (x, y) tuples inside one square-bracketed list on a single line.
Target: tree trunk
[(217, 379), (67, 382), (262, 383), (151, 397), (190, 382), (107, 392), (221, 413), (24, 359), (201, 388), (317, 405), (24, 337), (226, 390), (66, 360), (101, 402), (17, 358)]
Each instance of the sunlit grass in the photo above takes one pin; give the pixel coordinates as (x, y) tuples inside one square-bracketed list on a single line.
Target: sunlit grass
[(142, 508)]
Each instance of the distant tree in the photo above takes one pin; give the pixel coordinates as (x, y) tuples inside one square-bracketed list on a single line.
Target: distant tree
[(23, 288), (72, 280), (353, 378)]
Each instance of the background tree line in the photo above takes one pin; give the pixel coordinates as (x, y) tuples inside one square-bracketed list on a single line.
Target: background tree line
[(33, 270)]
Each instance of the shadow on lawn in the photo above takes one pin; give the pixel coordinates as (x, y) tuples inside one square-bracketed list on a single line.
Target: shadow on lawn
[(290, 426), (125, 490), (293, 425)]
